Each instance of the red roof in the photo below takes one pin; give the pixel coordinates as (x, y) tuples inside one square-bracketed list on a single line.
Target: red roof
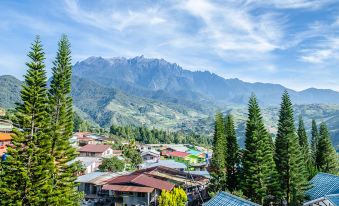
[(124, 188), (142, 179), (177, 154), (97, 148)]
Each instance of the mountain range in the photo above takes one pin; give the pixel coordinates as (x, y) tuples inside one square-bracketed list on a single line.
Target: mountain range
[(156, 93)]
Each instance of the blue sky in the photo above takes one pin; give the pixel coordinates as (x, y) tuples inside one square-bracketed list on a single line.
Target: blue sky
[(292, 42)]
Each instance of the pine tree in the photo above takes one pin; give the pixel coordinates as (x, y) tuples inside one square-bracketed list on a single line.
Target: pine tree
[(25, 178), (61, 112), (305, 149), (260, 177), (326, 156), (288, 157), (218, 164), (314, 140), (232, 156)]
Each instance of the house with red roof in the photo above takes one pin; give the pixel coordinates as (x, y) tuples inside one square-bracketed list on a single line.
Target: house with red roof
[(96, 150), (144, 186)]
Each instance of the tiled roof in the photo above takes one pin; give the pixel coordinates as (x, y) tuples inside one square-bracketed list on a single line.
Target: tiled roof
[(124, 188), (227, 199), (94, 148), (5, 136), (177, 154), (142, 179), (323, 184)]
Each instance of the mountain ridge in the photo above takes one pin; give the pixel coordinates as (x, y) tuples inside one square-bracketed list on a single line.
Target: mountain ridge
[(140, 75)]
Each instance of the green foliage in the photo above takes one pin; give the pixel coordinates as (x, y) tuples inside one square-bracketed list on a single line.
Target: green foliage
[(153, 136), (112, 164), (25, 178), (176, 197), (132, 155), (218, 162), (314, 140), (61, 113), (232, 155), (260, 178), (326, 156), (305, 149), (288, 156)]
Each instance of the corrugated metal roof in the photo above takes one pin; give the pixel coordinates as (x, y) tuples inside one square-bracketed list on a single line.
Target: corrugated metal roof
[(124, 188), (334, 199), (94, 148), (99, 178), (166, 163), (227, 199), (86, 161), (142, 179), (323, 184)]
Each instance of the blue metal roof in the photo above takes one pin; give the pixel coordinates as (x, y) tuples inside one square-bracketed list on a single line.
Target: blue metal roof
[(323, 184), (334, 199), (227, 199)]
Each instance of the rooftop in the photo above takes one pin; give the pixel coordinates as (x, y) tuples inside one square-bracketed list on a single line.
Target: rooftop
[(166, 163), (142, 179), (323, 184), (99, 178), (5, 136), (86, 161), (124, 188), (227, 199), (177, 154), (97, 148)]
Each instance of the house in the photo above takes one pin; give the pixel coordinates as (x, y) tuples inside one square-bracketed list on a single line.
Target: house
[(150, 156), (325, 190), (227, 199), (90, 164), (194, 185), (91, 185), (164, 163), (5, 139), (6, 125), (136, 189), (141, 187), (96, 150)]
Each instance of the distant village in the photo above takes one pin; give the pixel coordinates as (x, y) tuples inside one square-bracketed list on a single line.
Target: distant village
[(163, 167)]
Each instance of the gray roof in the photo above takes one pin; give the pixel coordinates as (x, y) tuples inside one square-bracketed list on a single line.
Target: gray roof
[(202, 173), (86, 161), (99, 178), (166, 163)]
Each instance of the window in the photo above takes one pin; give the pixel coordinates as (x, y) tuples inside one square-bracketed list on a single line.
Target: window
[(140, 194), (92, 154)]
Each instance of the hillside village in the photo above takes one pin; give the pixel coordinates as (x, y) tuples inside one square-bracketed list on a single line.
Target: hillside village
[(163, 167)]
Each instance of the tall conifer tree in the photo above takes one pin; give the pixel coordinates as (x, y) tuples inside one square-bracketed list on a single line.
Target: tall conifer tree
[(232, 156), (61, 113), (326, 156), (288, 157), (314, 140), (260, 177), (218, 162), (305, 149), (25, 178)]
